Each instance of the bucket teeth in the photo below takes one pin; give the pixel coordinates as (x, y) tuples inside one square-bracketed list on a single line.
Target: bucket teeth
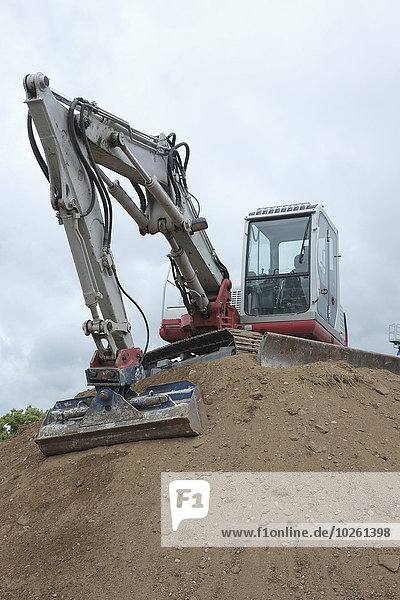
[(171, 410)]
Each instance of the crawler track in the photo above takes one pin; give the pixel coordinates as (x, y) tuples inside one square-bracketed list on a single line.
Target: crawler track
[(239, 340)]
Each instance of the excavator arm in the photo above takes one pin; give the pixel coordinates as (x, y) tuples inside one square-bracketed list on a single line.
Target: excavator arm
[(75, 201), (79, 140), (81, 144)]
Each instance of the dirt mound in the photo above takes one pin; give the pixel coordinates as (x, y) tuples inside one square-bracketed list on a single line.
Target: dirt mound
[(87, 524)]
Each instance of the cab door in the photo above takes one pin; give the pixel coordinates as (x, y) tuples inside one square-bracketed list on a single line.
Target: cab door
[(327, 271)]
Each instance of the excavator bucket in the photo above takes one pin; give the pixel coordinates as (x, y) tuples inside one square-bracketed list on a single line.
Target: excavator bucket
[(281, 351), (107, 418)]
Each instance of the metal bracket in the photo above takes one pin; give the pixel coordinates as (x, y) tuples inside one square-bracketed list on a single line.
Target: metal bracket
[(102, 329)]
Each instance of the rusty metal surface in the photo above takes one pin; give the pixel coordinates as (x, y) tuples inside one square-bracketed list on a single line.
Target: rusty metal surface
[(281, 351)]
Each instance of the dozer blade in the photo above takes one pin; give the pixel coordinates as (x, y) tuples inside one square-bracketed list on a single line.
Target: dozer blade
[(163, 411), (281, 351)]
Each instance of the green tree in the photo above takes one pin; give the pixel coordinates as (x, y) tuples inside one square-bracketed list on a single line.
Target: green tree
[(12, 421)]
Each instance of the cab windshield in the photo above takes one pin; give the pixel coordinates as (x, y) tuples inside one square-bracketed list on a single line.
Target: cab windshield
[(277, 278)]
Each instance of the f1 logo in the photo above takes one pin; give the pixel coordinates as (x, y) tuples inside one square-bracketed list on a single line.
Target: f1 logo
[(189, 499)]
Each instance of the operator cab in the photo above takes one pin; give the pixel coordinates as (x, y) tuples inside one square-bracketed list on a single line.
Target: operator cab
[(277, 270), (290, 280), (290, 277)]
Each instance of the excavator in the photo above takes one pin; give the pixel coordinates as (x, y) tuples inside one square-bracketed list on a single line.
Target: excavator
[(290, 278)]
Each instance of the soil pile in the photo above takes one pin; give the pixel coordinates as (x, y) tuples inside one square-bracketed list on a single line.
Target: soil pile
[(86, 525)]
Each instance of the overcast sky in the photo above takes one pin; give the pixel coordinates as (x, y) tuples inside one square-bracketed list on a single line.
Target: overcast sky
[(280, 101)]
